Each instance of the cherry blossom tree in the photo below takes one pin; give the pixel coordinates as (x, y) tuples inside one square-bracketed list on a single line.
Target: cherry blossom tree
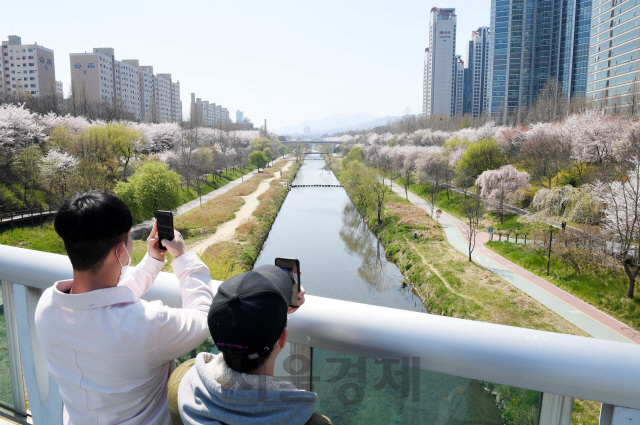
[(502, 184), (593, 136), (433, 167), (56, 172), (622, 217)]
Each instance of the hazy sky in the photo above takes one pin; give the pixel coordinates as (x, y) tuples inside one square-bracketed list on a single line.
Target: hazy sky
[(286, 61)]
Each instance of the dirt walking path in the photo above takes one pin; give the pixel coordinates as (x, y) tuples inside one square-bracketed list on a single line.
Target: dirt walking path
[(225, 231)]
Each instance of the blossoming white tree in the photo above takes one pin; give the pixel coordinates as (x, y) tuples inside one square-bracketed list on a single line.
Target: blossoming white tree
[(622, 217), (502, 184), (56, 170)]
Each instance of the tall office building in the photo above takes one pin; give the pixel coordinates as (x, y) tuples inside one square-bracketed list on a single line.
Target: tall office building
[(441, 63), (613, 55), (98, 77), (477, 64), (26, 69), (459, 87), (59, 89), (530, 42), (239, 116)]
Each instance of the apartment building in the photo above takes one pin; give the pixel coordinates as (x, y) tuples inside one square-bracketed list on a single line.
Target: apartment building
[(459, 87), (613, 55), (239, 116), (426, 103), (98, 76), (26, 69), (59, 89), (206, 113), (441, 63), (477, 64)]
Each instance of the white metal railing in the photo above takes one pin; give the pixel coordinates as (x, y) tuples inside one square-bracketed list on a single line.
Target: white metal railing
[(561, 366)]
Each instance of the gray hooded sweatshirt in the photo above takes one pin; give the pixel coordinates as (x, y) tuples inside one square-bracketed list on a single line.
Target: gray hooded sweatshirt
[(212, 393)]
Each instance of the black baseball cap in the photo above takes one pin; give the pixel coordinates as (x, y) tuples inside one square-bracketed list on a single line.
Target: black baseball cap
[(249, 311)]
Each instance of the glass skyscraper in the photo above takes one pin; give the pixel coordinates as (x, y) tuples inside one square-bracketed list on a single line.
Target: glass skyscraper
[(530, 42), (613, 55)]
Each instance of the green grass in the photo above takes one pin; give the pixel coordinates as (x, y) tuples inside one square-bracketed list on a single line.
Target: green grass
[(210, 185), (602, 288), (40, 237)]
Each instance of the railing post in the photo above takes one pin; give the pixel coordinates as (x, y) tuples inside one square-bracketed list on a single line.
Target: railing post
[(616, 415), (300, 366), (13, 348), (44, 397), (555, 409)]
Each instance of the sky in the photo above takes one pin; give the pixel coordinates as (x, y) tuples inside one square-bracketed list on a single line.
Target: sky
[(282, 60)]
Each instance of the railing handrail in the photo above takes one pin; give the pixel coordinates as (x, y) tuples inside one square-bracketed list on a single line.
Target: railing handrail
[(573, 366)]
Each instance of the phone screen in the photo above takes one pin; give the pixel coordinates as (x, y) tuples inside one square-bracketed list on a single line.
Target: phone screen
[(292, 267), (165, 226)]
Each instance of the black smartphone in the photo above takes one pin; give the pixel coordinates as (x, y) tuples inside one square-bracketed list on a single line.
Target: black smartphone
[(292, 267), (165, 226)]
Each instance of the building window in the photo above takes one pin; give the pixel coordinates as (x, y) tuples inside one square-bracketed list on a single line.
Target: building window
[(32, 64)]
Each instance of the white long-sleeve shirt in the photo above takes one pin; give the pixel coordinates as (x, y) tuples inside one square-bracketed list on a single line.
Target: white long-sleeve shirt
[(111, 353)]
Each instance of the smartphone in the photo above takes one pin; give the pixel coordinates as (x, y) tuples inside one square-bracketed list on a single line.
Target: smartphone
[(165, 226), (292, 267)]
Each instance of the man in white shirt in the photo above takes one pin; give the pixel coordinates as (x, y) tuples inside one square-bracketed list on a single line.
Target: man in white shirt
[(110, 352)]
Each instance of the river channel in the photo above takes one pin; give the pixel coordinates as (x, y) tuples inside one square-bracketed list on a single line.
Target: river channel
[(340, 258)]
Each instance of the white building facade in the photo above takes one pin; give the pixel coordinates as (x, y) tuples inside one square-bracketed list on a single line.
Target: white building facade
[(478, 63), (459, 87), (208, 114), (27, 69), (441, 63), (98, 77)]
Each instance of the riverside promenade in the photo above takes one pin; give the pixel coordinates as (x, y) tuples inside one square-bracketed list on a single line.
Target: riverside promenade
[(141, 230), (584, 316)]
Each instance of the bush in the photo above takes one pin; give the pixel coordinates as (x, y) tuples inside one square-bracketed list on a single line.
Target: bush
[(153, 187)]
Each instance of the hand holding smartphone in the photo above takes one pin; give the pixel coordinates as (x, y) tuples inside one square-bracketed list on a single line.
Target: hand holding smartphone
[(292, 267), (164, 220)]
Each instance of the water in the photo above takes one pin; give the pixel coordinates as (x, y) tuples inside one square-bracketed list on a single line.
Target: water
[(340, 258)]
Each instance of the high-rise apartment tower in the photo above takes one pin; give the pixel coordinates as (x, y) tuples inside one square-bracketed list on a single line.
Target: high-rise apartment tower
[(530, 42), (477, 64), (613, 56)]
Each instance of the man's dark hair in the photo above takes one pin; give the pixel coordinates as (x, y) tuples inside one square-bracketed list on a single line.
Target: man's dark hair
[(90, 225), (240, 362)]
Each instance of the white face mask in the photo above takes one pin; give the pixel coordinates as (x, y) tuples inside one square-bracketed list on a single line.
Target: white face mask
[(124, 267)]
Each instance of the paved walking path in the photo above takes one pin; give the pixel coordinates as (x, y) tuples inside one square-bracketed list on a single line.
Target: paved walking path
[(586, 317), (227, 230)]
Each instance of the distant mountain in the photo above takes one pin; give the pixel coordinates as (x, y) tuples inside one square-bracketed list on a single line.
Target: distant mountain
[(325, 125), (362, 126)]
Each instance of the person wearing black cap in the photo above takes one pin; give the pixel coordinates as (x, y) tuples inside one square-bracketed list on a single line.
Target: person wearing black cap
[(247, 320)]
